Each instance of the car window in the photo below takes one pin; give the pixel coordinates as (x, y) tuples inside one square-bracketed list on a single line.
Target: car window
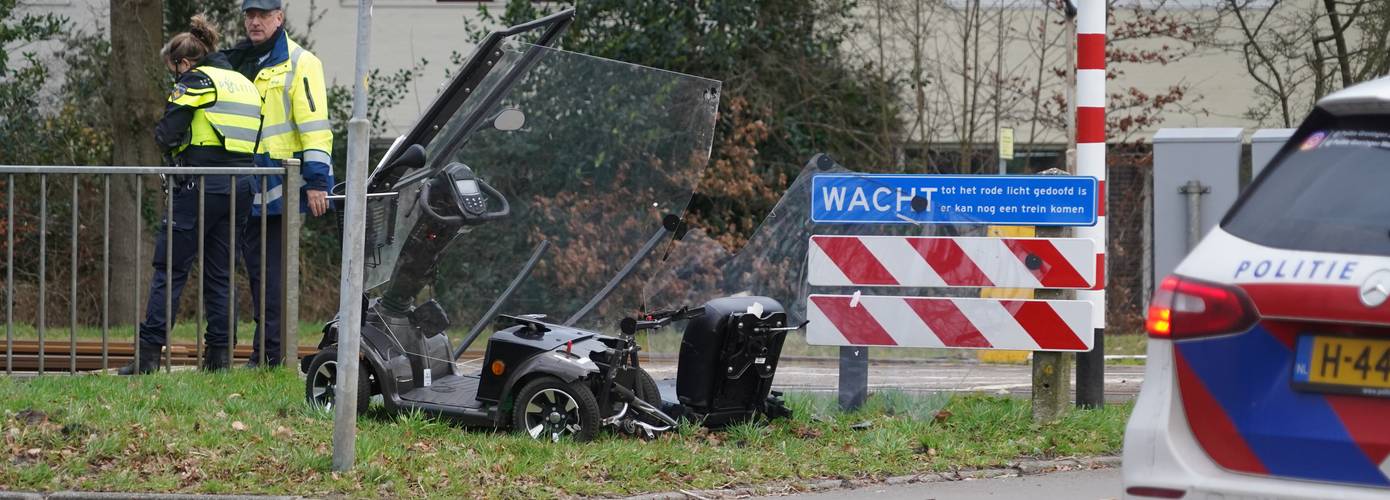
[(1328, 194)]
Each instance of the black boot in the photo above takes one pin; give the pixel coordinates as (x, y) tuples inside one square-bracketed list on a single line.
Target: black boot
[(255, 361), (215, 359), (148, 362)]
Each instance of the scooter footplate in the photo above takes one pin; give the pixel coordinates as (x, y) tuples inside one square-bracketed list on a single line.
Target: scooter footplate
[(450, 390)]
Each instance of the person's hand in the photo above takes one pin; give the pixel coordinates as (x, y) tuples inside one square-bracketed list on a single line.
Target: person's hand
[(318, 201)]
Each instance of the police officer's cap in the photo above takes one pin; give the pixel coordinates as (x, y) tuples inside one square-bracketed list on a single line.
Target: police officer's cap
[(260, 5)]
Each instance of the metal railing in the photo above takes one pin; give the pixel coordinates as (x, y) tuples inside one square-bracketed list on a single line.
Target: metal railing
[(289, 320)]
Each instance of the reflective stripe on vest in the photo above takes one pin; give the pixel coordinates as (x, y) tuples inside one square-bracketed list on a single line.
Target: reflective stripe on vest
[(234, 120), (280, 137)]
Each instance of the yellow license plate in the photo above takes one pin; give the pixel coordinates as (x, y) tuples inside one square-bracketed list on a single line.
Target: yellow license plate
[(1343, 364)]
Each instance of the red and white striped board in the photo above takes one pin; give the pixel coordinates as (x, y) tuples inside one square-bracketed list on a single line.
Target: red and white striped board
[(963, 323), (912, 261)]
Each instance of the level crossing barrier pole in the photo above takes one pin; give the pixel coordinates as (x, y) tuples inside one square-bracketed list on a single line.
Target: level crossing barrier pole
[(1089, 160)]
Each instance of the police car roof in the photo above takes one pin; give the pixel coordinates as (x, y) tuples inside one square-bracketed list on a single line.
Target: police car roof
[(1371, 97)]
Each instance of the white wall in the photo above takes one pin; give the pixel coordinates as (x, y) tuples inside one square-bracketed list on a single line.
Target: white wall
[(405, 31)]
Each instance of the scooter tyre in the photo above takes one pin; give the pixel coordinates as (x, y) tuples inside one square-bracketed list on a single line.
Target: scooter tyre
[(647, 389), (330, 355), (587, 405)]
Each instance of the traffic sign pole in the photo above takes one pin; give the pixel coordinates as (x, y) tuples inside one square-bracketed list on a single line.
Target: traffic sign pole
[(854, 377), (1051, 370)]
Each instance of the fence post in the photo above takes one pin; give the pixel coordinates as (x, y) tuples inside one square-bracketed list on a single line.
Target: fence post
[(289, 294)]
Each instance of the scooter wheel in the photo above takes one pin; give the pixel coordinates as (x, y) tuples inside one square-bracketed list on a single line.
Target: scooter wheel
[(647, 389), (321, 383), (547, 408)]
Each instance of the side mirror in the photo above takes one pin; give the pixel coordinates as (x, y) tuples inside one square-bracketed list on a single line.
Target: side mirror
[(509, 119), (412, 157)]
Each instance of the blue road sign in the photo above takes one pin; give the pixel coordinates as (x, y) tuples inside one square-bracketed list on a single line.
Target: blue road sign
[(1021, 200)]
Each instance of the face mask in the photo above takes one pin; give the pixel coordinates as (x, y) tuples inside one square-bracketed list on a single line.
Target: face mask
[(175, 74)]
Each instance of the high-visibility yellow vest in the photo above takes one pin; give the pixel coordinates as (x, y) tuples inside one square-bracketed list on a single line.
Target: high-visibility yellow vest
[(295, 108), (232, 121)]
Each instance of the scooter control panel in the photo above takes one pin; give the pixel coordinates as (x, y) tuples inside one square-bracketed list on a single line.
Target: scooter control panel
[(471, 198)]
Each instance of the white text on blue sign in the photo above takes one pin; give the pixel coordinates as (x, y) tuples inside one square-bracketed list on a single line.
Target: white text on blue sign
[(1033, 200)]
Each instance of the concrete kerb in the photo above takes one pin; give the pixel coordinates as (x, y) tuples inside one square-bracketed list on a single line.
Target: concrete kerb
[(1022, 468)]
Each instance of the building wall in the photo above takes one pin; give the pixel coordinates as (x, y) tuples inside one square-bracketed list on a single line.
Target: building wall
[(405, 31)]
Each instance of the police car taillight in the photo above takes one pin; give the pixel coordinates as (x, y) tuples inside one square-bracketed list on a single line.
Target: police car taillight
[(1185, 308)]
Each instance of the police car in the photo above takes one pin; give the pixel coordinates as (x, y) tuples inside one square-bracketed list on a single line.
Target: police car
[(1269, 353)]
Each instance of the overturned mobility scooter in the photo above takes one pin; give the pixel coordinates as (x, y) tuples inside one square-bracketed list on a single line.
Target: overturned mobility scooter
[(533, 204)]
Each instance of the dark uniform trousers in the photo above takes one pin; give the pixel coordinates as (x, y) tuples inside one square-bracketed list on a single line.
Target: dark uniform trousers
[(216, 256), (250, 244)]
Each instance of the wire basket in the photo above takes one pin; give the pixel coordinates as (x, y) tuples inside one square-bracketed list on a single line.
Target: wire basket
[(381, 223)]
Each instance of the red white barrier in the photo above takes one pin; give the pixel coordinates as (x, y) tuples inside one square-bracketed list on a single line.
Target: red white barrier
[(965, 323), (908, 261), (1090, 131)]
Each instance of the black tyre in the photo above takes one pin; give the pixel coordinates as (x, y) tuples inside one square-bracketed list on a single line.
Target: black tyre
[(321, 382), (549, 408), (646, 389)]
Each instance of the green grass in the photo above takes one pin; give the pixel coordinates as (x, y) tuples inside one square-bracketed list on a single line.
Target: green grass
[(1128, 345), (179, 433)]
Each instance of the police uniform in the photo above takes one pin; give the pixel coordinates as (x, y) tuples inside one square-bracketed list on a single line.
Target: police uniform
[(295, 111), (212, 119)]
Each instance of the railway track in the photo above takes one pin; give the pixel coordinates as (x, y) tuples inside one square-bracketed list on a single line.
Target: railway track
[(86, 356), (62, 357)]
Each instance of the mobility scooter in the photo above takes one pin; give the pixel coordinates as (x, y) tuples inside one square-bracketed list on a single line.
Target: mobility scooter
[(590, 165)]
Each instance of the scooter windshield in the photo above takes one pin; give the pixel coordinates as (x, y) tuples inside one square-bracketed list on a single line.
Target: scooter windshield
[(589, 156), (773, 262)]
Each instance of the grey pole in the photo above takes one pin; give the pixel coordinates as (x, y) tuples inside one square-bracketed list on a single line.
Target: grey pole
[(1194, 191), (289, 255), (72, 284), (105, 268), (43, 267), (1052, 370), (854, 377), (9, 279), (354, 232)]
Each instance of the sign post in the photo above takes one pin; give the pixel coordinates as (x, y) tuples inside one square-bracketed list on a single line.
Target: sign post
[(1052, 370)]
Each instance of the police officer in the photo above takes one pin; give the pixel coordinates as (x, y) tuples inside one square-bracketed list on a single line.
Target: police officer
[(211, 120), (290, 81)]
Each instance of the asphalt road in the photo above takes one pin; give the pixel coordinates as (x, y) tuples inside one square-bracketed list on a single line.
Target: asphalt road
[(1121, 381), (1076, 485)]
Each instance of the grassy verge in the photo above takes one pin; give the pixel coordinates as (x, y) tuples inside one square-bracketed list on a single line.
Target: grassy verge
[(250, 432), (1127, 345)]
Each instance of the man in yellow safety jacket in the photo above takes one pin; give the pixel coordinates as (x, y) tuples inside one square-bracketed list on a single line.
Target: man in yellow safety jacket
[(295, 114)]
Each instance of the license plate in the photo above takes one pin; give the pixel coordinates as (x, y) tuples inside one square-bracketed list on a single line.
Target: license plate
[(1343, 365)]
